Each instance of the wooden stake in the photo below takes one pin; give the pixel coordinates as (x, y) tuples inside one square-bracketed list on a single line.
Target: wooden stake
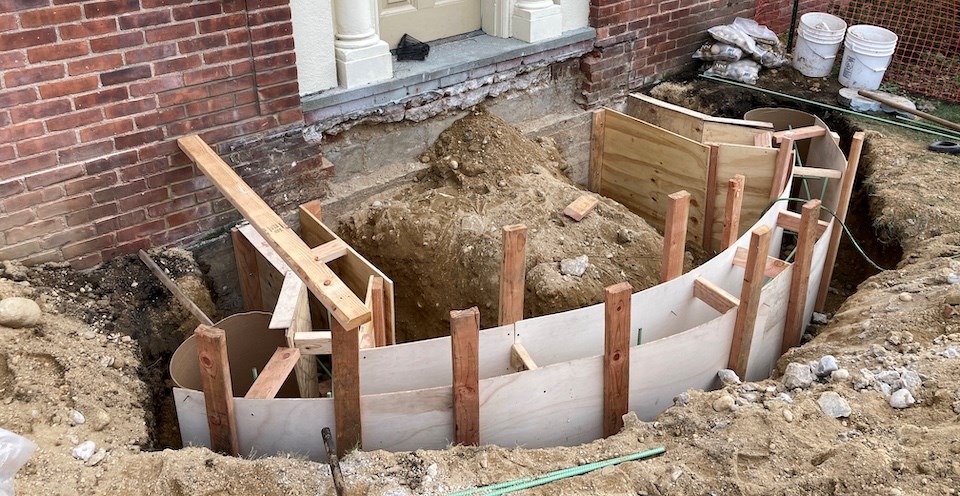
[(784, 165), (378, 311), (273, 375), (764, 139), (579, 208), (464, 342), (346, 386), (710, 198), (308, 378), (513, 273), (797, 301), (616, 356), (247, 271), (749, 301), (175, 289), (675, 235), (731, 212), (596, 151), (843, 206), (217, 389)]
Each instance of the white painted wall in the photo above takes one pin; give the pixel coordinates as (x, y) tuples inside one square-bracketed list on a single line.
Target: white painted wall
[(313, 35), (576, 13)]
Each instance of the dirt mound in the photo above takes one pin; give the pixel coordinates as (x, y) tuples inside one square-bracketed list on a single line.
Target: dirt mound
[(440, 239)]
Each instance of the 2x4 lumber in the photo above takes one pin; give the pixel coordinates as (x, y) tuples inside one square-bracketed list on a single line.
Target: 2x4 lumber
[(308, 381), (749, 301), (464, 342), (247, 271), (817, 172), (616, 356), (520, 359), (345, 347), (773, 268), (378, 311), (800, 133), (322, 282), (579, 208), (764, 139), (513, 273), (731, 212), (284, 312), (710, 197), (797, 300), (313, 342), (713, 295), (791, 221), (783, 167), (367, 333), (274, 374), (172, 286), (596, 150), (217, 389), (843, 205), (675, 235)]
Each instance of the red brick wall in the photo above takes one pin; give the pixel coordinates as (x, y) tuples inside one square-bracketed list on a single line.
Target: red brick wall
[(640, 41), (93, 95)]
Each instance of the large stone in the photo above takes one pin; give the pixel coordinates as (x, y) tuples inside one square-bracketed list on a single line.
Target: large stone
[(574, 266), (901, 399), (833, 405), (19, 312), (827, 365), (797, 375)]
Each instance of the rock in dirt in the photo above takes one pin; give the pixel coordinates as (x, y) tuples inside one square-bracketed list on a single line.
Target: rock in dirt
[(840, 375), (833, 405), (724, 403), (728, 377), (797, 375), (84, 450), (901, 399), (574, 266), (76, 418), (19, 312), (827, 365)]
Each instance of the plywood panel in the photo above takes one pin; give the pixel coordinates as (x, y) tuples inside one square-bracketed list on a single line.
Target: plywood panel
[(694, 125), (643, 163), (758, 166)]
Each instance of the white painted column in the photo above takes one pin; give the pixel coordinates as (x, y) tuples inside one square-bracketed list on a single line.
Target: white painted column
[(362, 57), (537, 20)]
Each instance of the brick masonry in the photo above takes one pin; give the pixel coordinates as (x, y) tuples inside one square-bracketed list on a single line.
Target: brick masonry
[(93, 95)]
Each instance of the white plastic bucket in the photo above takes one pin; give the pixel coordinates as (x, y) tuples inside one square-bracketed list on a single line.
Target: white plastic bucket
[(818, 42), (867, 54)]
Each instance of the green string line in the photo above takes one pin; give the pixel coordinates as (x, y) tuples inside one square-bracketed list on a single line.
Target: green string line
[(533, 481)]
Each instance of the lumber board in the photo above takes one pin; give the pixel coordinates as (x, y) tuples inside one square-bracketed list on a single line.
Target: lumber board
[(322, 282), (674, 235), (520, 358), (367, 333), (715, 296), (346, 387), (594, 177), (784, 165), (731, 211), (816, 172), (465, 355), (175, 289), (643, 164), (274, 374), (842, 207), (218, 389), (800, 280), (710, 199), (352, 267), (247, 271), (753, 277), (287, 302), (764, 139), (756, 164), (378, 309), (616, 356), (800, 133), (774, 266), (313, 342), (791, 221), (579, 208), (513, 270), (308, 378)]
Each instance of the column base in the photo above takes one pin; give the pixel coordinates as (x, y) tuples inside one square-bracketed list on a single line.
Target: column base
[(537, 25), (357, 67)]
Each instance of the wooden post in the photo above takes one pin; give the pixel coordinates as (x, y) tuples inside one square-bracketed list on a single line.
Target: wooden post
[(616, 356), (675, 235), (749, 301), (710, 198), (378, 312), (596, 151), (843, 206), (308, 379), (217, 389), (247, 271), (513, 273), (731, 212), (464, 342), (346, 386), (784, 165), (797, 301)]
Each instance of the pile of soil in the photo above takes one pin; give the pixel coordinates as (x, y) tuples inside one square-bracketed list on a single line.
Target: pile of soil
[(440, 239)]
